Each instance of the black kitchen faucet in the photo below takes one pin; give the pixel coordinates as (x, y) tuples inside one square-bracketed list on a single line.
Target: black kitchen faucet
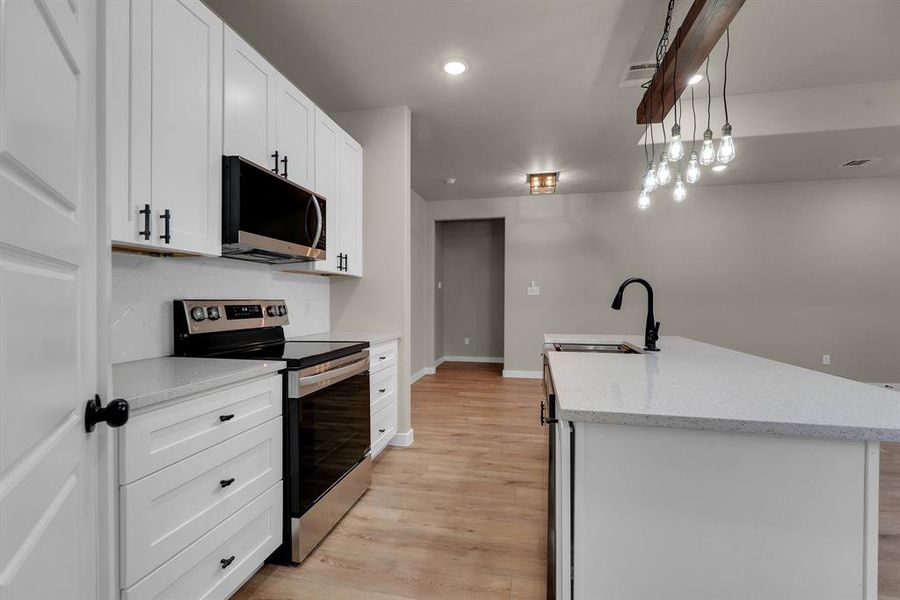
[(651, 331)]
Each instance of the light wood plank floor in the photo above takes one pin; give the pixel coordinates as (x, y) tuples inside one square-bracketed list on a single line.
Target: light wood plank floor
[(461, 513)]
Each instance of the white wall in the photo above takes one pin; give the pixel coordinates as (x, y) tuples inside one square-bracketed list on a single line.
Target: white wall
[(143, 288), (789, 271), (422, 289), (380, 300)]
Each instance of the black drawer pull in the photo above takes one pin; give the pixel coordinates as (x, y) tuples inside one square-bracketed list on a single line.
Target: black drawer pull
[(224, 418), (146, 212), (382, 430), (226, 482), (382, 390), (226, 562)]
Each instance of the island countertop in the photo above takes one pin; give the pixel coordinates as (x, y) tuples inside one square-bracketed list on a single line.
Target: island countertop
[(694, 385)]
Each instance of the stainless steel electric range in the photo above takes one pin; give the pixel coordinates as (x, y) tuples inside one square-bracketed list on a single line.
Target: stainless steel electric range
[(327, 465)]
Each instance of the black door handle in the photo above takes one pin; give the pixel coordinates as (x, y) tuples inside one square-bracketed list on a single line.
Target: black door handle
[(114, 414), (275, 156), (146, 212), (167, 219), (226, 562), (224, 418), (284, 162), (226, 482)]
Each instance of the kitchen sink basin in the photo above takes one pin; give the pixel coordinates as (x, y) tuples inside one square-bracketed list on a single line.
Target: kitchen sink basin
[(612, 348)]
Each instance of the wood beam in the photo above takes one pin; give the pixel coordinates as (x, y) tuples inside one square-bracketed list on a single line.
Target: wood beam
[(701, 29)]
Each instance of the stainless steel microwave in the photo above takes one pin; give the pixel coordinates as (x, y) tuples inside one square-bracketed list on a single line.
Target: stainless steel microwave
[(268, 219)]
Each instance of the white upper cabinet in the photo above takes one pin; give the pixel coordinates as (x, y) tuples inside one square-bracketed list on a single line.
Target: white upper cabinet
[(295, 124), (350, 173), (174, 90), (250, 92)]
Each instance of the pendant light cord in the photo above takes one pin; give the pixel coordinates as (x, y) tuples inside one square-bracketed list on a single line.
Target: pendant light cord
[(694, 113), (708, 97), (725, 78)]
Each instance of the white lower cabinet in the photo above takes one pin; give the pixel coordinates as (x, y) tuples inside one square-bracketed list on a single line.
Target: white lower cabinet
[(201, 492), (383, 394), (215, 566)]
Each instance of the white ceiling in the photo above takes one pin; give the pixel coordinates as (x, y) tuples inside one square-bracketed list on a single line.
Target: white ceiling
[(543, 93)]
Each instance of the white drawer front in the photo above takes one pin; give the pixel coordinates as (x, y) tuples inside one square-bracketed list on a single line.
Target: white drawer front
[(165, 512), (382, 356), (384, 427), (382, 386), (161, 437), (197, 573)]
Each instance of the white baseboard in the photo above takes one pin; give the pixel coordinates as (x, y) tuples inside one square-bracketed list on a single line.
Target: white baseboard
[(402, 439), (475, 359), (420, 374), (438, 362), (523, 374)]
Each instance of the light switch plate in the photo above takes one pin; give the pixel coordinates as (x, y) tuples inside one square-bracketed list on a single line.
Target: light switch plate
[(534, 290)]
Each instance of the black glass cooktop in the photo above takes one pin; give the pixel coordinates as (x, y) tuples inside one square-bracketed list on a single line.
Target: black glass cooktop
[(299, 354)]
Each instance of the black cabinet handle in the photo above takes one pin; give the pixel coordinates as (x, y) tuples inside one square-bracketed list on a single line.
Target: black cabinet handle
[(382, 390), (544, 419), (224, 418), (346, 260), (226, 482), (167, 219), (275, 156), (284, 162), (114, 414), (226, 562), (381, 430), (146, 212), (382, 357)]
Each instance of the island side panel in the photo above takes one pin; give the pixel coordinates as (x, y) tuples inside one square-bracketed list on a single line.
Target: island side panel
[(721, 515)]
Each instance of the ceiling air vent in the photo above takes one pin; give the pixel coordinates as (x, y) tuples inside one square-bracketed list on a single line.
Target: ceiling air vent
[(859, 162), (638, 73)]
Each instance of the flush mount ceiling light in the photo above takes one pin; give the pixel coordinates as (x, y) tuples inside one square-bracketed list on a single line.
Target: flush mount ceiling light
[(455, 66), (543, 183)]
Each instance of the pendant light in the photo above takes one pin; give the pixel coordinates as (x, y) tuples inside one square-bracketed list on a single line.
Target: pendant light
[(725, 153), (664, 172), (679, 193), (676, 148), (707, 149), (643, 202)]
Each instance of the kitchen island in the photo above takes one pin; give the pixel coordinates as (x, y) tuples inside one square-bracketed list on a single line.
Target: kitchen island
[(700, 472)]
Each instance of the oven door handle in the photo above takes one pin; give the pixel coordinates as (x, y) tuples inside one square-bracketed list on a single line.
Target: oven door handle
[(311, 383)]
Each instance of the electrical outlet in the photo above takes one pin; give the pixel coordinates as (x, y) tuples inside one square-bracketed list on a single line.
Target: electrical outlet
[(826, 359), (466, 341)]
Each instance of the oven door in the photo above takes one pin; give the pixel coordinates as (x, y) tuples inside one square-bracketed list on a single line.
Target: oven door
[(328, 427)]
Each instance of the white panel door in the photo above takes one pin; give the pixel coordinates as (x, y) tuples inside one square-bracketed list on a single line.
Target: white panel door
[(326, 165), (350, 165), (177, 115), (249, 102), (48, 276), (295, 127)]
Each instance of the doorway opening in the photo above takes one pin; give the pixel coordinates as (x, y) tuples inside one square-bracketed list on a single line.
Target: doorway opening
[(469, 290)]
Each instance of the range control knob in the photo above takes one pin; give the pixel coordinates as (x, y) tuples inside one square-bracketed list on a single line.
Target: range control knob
[(282, 310), (198, 313), (272, 311), (213, 313)]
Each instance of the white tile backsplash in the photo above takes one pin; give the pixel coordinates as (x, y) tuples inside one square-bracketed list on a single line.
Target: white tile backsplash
[(143, 288)]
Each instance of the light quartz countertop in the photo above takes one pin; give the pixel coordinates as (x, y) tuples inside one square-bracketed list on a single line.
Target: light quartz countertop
[(373, 337), (694, 385), (152, 381)]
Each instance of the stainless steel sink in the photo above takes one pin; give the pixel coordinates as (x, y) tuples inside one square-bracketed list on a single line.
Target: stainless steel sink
[(612, 348)]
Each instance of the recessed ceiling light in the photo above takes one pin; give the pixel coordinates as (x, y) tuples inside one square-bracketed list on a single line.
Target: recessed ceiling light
[(695, 78), (455, 66), (719, 168), (449, 180)]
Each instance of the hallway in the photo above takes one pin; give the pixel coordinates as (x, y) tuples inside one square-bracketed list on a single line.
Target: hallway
[(459, 514)]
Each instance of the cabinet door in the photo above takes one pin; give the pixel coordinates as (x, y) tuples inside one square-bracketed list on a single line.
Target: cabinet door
[(327, 134), (295, 119), (249, 102), (350, 161), (176, 145)]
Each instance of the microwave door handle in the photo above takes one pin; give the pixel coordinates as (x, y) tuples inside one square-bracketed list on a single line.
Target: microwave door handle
[(319, 220)]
